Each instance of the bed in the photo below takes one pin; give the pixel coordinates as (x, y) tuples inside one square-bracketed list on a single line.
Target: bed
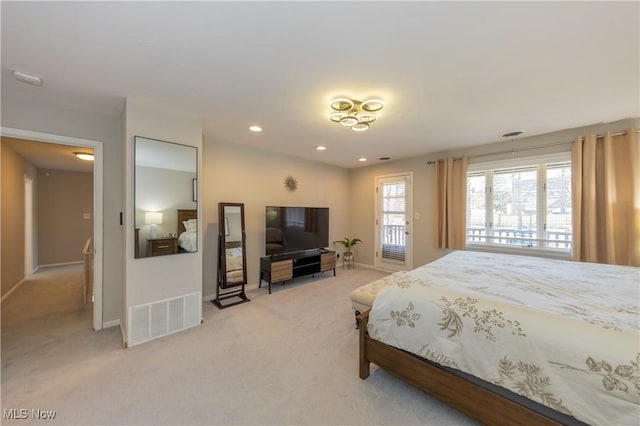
[(512, 339), (187, 230), (233, 262)]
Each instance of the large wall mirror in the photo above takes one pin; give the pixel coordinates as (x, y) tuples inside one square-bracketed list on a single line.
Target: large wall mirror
[(166, 205)]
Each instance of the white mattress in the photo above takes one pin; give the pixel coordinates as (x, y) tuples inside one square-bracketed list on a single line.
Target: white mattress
[(565, 334)]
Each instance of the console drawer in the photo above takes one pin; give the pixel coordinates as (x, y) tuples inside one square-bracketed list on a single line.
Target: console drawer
[(281, 271), (328, 261)]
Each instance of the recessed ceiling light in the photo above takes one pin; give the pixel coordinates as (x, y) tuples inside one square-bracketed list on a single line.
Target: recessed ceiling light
[(255, 129), (321, 148), (27, 78), (84, 156), (362, 159)]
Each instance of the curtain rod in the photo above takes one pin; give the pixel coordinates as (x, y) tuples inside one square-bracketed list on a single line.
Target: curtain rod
[(514, 150)]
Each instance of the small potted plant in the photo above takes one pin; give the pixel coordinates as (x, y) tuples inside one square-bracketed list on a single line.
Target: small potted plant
[(348, 243)]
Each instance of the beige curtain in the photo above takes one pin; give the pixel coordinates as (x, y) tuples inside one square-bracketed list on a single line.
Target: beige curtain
[(606, 199), (451, 202)]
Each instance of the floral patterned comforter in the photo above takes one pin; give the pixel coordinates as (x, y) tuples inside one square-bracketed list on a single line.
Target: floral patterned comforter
[(564, 334)]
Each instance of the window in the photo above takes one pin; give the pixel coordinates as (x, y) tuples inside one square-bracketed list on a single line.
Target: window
[(520, 205)]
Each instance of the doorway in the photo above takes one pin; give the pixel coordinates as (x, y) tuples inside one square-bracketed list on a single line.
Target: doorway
[(28, 225), (394, 207), (97, 148)]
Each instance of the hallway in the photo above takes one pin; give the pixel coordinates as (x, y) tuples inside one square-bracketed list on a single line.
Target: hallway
[(42, 319)]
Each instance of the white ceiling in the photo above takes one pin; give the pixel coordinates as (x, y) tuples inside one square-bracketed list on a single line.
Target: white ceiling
[(47, 156), (452, 74)]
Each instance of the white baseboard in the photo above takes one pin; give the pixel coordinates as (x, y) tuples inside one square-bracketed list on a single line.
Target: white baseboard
[(124, 338), (255, 286), (7, 294), (112, 323), (247, 287), (366, 266), (362, 266), (52, 265)]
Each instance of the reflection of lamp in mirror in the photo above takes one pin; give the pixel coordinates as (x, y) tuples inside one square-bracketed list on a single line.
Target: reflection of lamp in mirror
[(153, 219)]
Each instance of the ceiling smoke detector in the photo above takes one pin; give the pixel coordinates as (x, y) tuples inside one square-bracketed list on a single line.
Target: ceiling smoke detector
[(27, 78)]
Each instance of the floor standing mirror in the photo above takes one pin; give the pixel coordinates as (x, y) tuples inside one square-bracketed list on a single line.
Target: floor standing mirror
[(232, 256)]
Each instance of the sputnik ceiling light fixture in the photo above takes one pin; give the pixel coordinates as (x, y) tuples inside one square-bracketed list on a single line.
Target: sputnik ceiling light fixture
[(355, 114)]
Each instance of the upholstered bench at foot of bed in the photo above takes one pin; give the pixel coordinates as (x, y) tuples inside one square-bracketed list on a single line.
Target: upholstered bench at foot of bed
[(362, 297)]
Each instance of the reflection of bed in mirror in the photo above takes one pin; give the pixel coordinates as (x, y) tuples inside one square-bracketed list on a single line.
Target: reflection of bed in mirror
[(187, 230), (235, 272)]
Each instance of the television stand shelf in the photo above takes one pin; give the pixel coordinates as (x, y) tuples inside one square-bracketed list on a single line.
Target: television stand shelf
[(280, 268)]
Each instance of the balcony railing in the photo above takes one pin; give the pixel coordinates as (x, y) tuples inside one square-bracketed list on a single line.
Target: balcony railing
[(394, 235), (520, 238), (393, 242)]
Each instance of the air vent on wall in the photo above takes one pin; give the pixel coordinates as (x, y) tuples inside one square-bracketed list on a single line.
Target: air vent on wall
[(156, 319)]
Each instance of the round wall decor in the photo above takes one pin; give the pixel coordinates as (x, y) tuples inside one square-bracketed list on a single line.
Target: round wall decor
[(291, 183)]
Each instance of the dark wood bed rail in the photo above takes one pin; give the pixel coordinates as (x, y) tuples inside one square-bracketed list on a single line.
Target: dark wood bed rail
[(469, 398)]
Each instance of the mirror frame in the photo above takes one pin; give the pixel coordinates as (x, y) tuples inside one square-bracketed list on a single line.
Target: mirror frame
[(222, 247), (178, 210)]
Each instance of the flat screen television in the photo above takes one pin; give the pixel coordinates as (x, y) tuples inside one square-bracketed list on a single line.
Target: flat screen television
[(291, 229)]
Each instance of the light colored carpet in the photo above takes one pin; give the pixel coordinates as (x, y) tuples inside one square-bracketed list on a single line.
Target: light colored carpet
[(289, 358)]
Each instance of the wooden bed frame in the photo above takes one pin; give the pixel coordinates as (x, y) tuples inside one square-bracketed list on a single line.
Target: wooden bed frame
[(183, 215), (467, 397)]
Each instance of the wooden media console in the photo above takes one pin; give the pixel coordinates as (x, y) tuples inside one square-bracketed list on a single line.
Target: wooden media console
[(281, 268)]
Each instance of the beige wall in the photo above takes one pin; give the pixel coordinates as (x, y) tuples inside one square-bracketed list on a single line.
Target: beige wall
[(14, 169), (239, 174), (63, 198), (362, 206), (151, 279), (61, 119), (362, 180), (231, 173)]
